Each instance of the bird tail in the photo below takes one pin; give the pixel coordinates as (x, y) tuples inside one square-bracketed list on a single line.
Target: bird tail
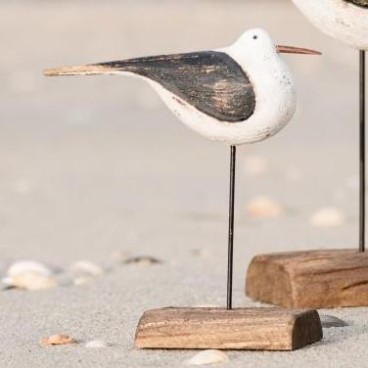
[(90, 69)]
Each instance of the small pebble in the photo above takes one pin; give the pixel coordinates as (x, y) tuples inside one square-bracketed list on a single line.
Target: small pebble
[(328, 321), (59, 339), (264, 207), (255, 165), (207, 357), (142, 261), (96, 344), (328, 217)]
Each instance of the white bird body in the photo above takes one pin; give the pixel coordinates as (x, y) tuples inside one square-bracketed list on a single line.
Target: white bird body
[(240, 94), (339, 19), (273, 85)]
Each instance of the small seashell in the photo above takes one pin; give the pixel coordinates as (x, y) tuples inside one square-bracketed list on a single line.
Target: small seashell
[(207, 357), (255, 165), (59, 339), (328, 321), (96, 344), (86, 268), (142, 261), (28, 266), (263, 207), (29, 275), (327, 217), (30, 281)]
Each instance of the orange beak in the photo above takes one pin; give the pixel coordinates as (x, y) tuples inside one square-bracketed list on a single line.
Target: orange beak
[(295, 50)]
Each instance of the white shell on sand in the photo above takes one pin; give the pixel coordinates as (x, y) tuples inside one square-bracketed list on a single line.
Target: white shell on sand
[(28, 266), (30, 281), (83, 272), (86, 268), (328, 321), (328, 217), (96, 344), (264, 207), (29, 275), (207, 357)]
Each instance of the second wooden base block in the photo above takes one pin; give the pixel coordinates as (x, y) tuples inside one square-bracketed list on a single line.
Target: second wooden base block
[(236, 329), (310, 279)]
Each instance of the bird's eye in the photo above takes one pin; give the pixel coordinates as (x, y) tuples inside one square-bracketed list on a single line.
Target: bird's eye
[(255, 37)]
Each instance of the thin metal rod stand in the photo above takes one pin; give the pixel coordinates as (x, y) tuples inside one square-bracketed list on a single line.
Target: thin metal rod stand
[(231, 229), (362, 151)]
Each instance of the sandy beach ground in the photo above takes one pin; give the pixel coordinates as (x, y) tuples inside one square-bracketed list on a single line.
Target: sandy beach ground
[(97, 169)]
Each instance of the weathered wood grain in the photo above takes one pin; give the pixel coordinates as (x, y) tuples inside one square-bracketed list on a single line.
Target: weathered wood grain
[(238, 329), (311, 279)]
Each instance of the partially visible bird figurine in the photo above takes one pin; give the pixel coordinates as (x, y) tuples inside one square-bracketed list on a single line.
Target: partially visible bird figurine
[(347, 21), (240, 94)]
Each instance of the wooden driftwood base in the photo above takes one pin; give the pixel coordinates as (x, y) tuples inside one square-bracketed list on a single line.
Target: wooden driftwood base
[(310, 279), (218, 328)]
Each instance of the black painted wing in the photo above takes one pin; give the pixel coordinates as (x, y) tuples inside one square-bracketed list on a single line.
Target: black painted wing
[(361, 3), (211, 81)]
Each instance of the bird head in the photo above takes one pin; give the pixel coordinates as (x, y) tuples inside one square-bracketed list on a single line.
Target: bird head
[(256, 46)]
